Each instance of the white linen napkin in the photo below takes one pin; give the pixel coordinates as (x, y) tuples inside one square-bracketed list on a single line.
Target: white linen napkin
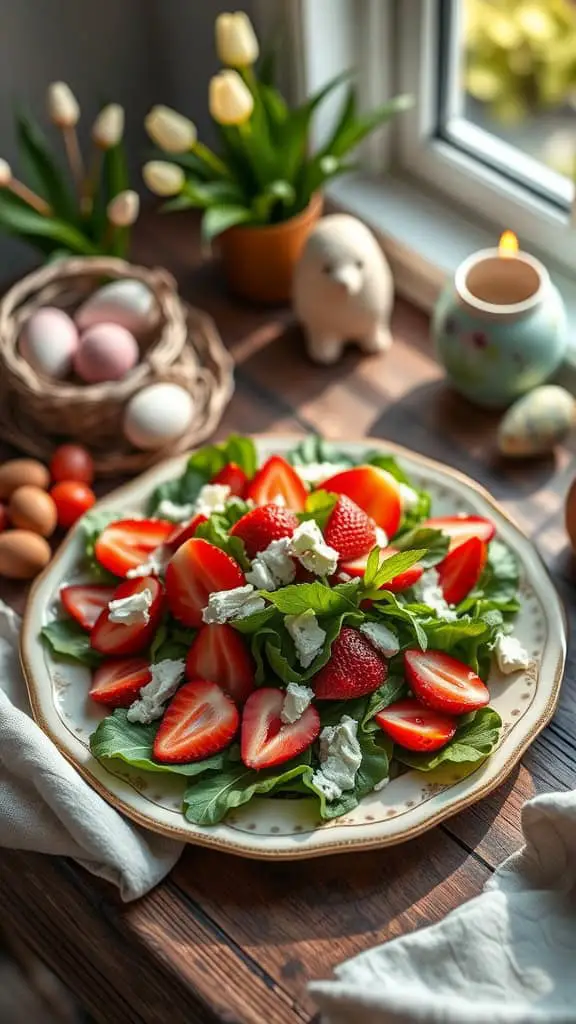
[(507, 956), (46, 806)]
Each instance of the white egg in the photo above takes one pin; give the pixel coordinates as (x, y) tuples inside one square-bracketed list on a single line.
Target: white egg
[(157, 415), (128, 303), (49, 342)]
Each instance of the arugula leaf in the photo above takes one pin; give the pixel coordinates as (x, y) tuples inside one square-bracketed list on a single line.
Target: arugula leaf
[(92, 524), (69, 640), (395, 688), (389, 568), (319, 506), (435, 542), (475, 739), (209, 798), (117, 738), (322, 600)]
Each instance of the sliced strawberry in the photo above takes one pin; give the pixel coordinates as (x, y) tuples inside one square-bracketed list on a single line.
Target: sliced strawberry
[(85, 601), (265, 739), (120, 638), (184, 532), (197, 570), (444, 683), (374, 490), (349, 530), (233, 477), (353, 670), (219, 653), (460, 571), (406, 579), (199, 721), (277, 481), (118, 681), (461, 528), (415, 727), (262, 525), (127, 543)]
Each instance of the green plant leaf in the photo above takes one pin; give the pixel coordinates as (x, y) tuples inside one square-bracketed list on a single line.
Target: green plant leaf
[(272, 646), (118, 739), (297, 128), (202, 466), (20, 220), (387, 605), (209, 798), (216, 531), (322, 600), (359, 127), (319, 506), (218, 219), (171, 641), (276, 193), (374, 767), (188, 162), (204, 194), (346, 118), (48, 177), (391, 567), (92, 524), (68, 640), (434, 541), (475, 739), (395, 688), (313, 449)]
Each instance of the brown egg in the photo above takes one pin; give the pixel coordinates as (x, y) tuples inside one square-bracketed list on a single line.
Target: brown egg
[(570, 514), (33, 509), (18, 472), (23, 554)]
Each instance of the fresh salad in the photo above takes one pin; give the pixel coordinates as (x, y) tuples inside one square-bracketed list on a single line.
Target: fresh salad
[(306, 628)]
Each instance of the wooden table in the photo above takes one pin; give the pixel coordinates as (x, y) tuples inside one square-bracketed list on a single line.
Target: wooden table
[(225, 939)]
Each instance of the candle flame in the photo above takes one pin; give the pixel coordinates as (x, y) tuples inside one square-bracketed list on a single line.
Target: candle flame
[(508, 245)]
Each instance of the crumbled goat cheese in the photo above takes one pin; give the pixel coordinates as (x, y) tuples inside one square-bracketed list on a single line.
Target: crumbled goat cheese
[(511, 656), (177, 513), (343, 577), (132, 610), (297, 699), (340, 758), (212, 498), (166, 676), (273, 567), (155, 566), (381, 637), (410, 498), (429, 592), (307, 635), (232, 604), (309, 547), (381, 537), (380, 785), (316, 472)]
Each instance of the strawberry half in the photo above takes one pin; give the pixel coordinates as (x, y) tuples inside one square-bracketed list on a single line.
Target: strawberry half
[(127, 543), (414, 727), (444, 683), (353, 670), (220, 654), (118, 681), (406, 579), (120, 638), (85, 601), (460, 571), (349, 530), (199, 721), (374, 490), (461, 528), (277, 479), (259, 527), (197, 570), (233, 477), (184, 532), (265, 739)]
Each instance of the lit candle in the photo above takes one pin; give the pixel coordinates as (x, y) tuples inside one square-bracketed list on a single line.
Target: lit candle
[(503, 282)]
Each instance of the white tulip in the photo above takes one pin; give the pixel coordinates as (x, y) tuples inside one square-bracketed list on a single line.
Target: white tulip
[(63, 109), (230, 100), (108, 128), (5, 173), (123, 209), (236, 41), (162, 178), (170, 130)]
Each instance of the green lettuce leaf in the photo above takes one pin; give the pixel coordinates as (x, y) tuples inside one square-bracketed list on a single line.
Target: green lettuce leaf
[(202, 466), (216, 531), (118, 739), (209, 798), (395, 688), (475, 739), (68, 640), (171, 641), (321, 599), (273, 648)]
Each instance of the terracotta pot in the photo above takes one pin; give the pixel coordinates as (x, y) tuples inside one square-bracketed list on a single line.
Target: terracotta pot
[(259, 261)]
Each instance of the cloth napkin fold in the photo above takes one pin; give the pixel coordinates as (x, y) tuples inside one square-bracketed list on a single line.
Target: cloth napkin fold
[(507, 956), (46, 806)]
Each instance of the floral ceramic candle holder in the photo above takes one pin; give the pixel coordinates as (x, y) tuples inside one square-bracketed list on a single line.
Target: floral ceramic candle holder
[(500, 326)]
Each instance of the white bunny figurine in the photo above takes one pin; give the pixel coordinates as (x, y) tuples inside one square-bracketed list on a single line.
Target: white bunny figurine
[(343, 289)]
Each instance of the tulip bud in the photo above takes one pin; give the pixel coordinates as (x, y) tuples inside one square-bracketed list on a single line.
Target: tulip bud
[(63, 109), (108, 128), (230, 100), (236, 41), (170, 130), (5, 173), (162, 178), (123, 209)]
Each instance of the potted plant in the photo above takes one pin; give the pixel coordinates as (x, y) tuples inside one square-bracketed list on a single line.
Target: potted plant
[(262, 193)]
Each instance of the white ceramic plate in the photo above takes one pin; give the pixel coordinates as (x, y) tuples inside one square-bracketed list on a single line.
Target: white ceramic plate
[(268, 828)]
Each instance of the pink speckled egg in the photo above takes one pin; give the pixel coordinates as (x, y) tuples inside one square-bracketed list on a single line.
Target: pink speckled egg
[(106, 352), (49, 342)]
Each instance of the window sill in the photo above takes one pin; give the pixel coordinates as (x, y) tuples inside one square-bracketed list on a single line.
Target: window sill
[(425, 239)]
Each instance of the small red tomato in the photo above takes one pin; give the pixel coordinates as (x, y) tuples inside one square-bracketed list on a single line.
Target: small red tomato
[(72, 462), (72, 500)]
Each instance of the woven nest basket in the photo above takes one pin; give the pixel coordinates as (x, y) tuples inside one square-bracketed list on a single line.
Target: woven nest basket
[(180, 346)]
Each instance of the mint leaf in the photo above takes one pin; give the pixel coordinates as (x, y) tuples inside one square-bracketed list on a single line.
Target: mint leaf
[(319, 506), (117, 738), (67, 639), (372, 566), (391, 567), (321, 599), (395, 688), (435, 542), (474, 740), (209, 798)]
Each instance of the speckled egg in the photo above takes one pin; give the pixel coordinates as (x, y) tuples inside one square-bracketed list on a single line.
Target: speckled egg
[(106, 352), (158, 415), (49, 342), (537, 422), (128, 303)]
